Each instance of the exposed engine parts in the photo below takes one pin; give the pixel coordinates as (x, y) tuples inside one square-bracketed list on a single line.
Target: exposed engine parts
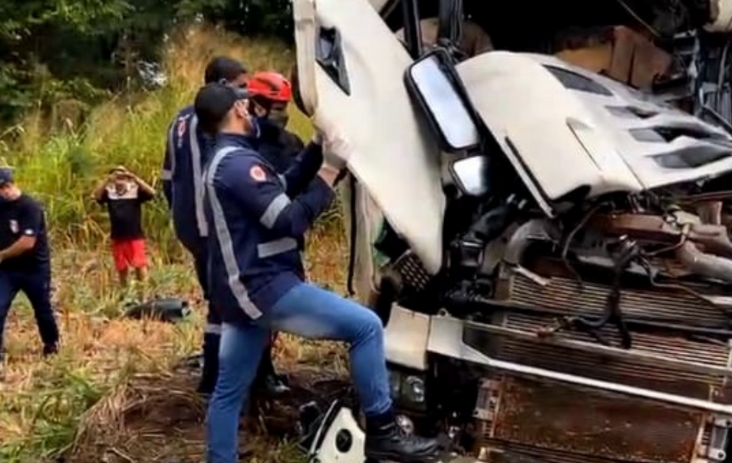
[(578, 303), (636, 296)]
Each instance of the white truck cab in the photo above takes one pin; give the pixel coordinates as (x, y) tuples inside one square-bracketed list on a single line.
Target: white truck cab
[(568, 165)]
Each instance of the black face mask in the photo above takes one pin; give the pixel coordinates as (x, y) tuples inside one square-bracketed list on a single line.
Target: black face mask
[(277, 118)]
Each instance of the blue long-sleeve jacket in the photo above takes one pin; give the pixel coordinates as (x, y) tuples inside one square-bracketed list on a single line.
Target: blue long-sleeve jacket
[(257, 217), (186, 153)]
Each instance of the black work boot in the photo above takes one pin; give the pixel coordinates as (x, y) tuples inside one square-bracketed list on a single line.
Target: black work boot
[(50, 349), (272, 384), (386, 441), (275, 385), (210, 370)]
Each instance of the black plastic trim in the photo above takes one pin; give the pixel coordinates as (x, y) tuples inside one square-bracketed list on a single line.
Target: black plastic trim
[(329, 55)]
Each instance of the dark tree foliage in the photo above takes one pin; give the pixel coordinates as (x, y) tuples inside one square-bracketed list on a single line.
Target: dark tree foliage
[(55, 49)]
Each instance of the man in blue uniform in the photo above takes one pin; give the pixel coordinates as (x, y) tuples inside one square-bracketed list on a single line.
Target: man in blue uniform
[(25, 259), (185, 155), (257, 279)]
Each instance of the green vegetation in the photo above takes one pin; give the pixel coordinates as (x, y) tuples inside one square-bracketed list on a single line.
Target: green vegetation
[(81, 50), (63, 166), (110, 394)]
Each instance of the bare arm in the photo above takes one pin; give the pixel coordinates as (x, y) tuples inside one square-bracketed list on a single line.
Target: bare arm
[(144, 186), (100, 190), (22, 245), (30, 222)]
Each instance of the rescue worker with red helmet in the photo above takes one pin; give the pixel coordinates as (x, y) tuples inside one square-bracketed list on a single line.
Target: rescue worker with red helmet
[(270, 94), (269, 97)]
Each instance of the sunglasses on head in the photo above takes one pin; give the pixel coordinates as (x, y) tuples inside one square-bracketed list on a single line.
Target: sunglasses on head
[(241, 91)]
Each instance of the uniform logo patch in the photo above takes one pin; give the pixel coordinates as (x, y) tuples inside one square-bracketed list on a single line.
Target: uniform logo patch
[(181, 129), (14, 226), (257, 173)]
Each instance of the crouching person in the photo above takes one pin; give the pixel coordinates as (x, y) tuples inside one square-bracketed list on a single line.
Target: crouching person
[(25, 259), (257, 278)]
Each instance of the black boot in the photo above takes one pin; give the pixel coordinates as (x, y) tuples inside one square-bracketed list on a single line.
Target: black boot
[(210, 371), (50, 349), (386, 441), (268, 380), (276, 386)]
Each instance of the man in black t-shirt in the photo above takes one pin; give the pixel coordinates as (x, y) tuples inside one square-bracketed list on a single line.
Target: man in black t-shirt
[(25, 259), (123, 193)]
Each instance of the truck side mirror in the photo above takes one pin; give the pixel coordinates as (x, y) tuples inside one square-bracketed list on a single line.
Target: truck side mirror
[(435, 85), (471, 175)]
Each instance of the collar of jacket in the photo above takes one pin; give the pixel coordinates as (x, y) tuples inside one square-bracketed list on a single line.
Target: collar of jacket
[(233, 139)]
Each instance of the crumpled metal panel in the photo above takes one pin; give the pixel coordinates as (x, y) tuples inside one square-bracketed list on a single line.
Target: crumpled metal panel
[(580, 425)]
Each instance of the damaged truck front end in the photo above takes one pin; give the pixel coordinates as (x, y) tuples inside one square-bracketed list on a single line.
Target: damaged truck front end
[(549, 250)]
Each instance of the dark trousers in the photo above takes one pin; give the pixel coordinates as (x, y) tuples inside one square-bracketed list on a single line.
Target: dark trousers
[(36, 284), (200, 262)]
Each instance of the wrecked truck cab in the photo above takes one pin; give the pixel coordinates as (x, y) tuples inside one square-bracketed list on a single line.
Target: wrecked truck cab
[(543, 243)]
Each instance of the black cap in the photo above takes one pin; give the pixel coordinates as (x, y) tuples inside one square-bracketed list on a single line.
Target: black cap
[(223, 68), (213, 102), (6, 175)]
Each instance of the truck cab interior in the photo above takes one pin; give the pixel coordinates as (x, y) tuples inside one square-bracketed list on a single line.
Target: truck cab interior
[(672, 48)]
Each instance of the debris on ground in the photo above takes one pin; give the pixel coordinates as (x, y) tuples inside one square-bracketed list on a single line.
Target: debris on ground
[(170, 310), (160, 419)]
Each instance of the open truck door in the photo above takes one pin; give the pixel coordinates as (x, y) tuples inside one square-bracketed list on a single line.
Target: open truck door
[(351, 69)]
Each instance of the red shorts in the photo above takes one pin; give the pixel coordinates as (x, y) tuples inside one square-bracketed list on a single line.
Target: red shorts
[(129, 253)]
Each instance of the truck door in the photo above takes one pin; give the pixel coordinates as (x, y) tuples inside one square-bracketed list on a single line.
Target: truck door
[(351, 68)]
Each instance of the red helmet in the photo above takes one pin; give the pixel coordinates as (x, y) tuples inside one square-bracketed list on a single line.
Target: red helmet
[(270, 86)]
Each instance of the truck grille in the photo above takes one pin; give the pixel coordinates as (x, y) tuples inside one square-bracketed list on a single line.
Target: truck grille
[(565, 295), (556, 423), (573, 361), (535, 421)]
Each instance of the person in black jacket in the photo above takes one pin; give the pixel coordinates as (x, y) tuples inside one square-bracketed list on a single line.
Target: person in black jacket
[(269, 97), (270, 94)]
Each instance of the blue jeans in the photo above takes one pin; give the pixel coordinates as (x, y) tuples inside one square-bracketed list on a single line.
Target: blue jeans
[(306, 311)]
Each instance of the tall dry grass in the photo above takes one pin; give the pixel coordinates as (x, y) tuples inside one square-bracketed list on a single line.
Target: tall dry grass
[(43, 403)]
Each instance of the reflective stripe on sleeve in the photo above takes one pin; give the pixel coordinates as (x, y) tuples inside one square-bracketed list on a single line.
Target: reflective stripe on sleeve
[(197, 177), (273, 211), (272, 248), (226, 246)]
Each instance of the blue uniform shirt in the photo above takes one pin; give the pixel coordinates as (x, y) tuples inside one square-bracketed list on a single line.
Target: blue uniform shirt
[(24, 217), (185, 155), (257, 218)]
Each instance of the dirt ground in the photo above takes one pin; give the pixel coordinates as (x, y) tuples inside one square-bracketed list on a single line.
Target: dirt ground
[(154, 419)]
